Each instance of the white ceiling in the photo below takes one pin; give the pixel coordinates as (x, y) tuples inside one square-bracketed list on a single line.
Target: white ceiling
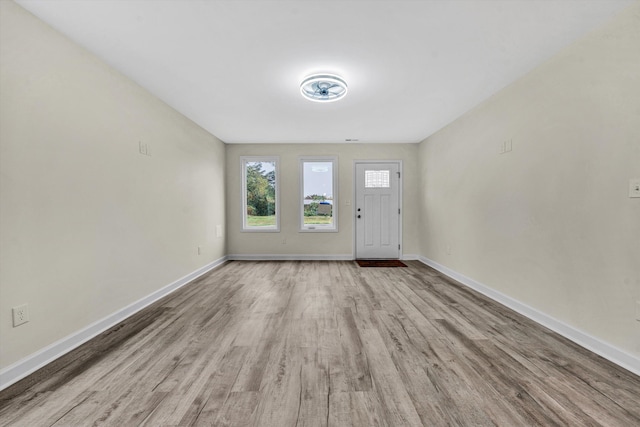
[(234, 67)]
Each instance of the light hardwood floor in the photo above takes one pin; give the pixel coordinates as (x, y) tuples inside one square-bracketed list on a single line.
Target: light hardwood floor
[(325, 343)]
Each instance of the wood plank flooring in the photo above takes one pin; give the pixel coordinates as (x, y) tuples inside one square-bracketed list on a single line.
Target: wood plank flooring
[(306, 343)]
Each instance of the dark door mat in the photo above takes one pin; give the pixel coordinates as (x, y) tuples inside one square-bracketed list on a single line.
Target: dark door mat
[(380, 263)]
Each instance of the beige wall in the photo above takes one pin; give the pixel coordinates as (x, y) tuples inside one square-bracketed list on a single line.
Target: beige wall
[(340, 243), (549, 223), (87, 224)]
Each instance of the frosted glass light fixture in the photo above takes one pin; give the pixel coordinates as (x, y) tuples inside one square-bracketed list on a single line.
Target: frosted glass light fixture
[(323, 88)]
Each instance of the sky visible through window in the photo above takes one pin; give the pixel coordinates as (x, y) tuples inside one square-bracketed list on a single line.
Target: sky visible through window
[(318, 179)]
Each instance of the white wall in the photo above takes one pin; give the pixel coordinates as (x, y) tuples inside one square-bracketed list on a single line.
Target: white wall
[(87, 224), (326, 244), (549, 224)]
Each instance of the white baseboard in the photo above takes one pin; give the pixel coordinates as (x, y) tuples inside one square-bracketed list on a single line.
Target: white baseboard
[(289, 257), (17, 371), (591, 343), (298, 257)]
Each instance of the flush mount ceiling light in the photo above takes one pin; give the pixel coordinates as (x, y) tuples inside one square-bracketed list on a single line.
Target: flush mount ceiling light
[(323, 88)]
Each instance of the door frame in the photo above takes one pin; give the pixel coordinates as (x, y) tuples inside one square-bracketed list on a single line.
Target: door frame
[(353, 203)]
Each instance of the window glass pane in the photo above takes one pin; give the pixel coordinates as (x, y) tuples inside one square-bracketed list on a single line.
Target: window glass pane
[(376, 179), (318, 197), (260, 197)]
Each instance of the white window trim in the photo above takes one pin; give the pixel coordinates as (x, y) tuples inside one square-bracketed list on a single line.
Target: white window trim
[(335, 204), (243, 179)]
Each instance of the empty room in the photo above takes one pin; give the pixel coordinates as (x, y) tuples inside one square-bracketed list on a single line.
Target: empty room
[(320, 213)]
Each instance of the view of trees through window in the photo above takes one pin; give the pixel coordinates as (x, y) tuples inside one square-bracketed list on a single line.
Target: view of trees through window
[(317, 184), (260, 181)]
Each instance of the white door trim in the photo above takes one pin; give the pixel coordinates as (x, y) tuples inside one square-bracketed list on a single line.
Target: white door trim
[(353, 202)]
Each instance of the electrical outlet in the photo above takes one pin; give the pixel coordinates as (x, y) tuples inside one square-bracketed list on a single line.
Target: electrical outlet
[(144, 148), (284, 241), (505, 146), (638, 311), (20, 314), (218, 230), (199, 250)]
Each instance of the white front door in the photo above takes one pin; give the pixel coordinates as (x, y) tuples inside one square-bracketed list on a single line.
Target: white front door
[(377, 210)]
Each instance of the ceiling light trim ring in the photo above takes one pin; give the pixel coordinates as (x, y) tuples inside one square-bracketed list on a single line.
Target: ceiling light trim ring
[(323, 88)]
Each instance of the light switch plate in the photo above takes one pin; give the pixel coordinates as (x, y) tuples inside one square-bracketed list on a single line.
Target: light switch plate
[(634, 187)]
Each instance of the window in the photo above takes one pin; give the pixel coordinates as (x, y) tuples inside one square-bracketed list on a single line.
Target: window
[(376, 179), (318, 194), (260, 210)]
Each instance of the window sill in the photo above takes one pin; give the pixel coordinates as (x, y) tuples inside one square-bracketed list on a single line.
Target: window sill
[(260, 230), (318, 230)]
